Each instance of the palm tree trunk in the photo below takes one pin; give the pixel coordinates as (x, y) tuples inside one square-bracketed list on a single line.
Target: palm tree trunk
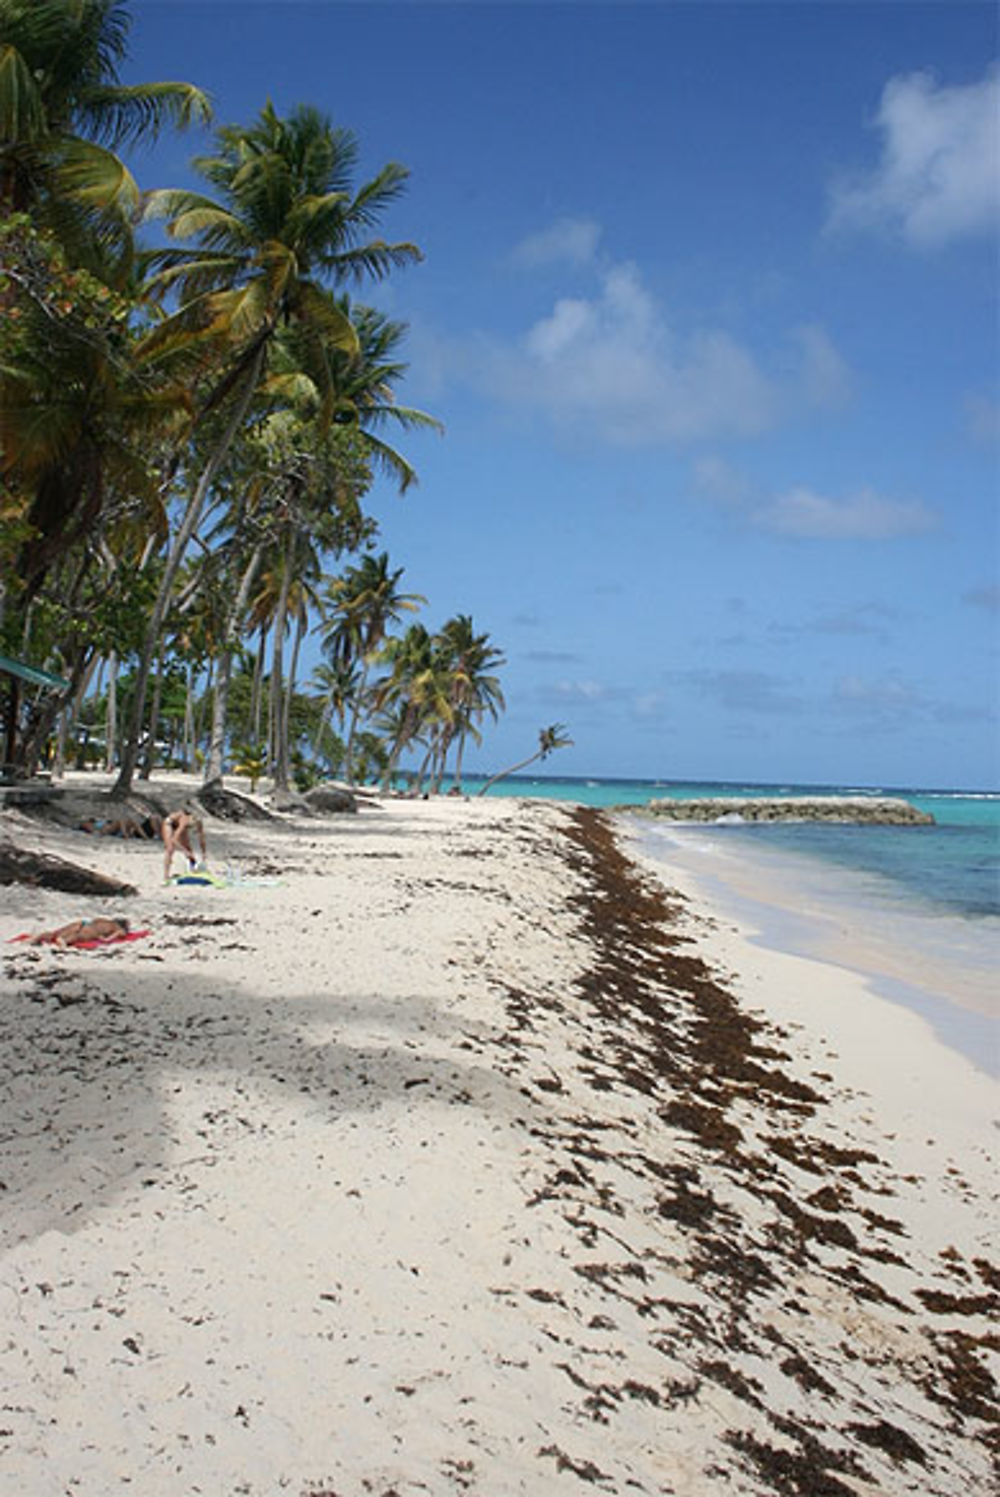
[(402, 739), (293, 666), (512, 770), (188, 526), (71, 712), (223, 672), (423, 770), (279, 749), (257, 691), (352, 730), (188, 731), (459, 756), (111, 713), (149, 752)]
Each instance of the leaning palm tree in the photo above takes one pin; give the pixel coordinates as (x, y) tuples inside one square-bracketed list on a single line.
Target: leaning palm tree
[(64, 115), (284, 220), (549, 739)]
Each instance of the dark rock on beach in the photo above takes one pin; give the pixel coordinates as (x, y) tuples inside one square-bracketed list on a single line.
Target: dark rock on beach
[(329, 798), (230, 805)]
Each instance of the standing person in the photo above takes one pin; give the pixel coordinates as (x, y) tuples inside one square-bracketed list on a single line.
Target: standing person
[(176, 831)]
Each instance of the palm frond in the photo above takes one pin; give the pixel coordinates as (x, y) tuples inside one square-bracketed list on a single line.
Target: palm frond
[(391, 462), (326, 319), (375, 259), (22, 110), (123, 114), (399, 415), (95, 177)]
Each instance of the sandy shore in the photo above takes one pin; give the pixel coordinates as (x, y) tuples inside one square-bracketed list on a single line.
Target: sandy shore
[(448, 1152)]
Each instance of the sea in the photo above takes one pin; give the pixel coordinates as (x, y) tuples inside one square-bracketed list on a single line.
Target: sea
[(914, 909)]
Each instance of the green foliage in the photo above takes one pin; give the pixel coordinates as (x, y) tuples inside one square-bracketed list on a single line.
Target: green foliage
[(63, 114), (250, 760), (371, 756), (305, 773), (256, 410), (80, 422)]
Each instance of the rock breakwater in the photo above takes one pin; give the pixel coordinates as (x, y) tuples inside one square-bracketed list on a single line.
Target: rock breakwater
[(851, 809)]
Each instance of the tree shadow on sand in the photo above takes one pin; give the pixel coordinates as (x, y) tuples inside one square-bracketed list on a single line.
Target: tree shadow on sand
[(88, 1063)]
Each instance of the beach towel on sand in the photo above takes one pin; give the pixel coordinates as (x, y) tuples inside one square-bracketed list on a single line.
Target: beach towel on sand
[(231, 879), (125, 935)]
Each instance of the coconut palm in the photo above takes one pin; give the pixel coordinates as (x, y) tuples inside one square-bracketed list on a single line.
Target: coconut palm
[(363, 602), (337, 686), (285, 219), (284, 475), (64, 115), (549, 739), (323, 380), (472, 690), (402, 698)]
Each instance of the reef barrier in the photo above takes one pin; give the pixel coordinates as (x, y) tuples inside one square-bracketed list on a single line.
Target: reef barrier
[(858, 810)]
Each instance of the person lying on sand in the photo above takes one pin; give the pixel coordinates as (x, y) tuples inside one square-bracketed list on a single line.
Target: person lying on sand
[(121, 826), (102, 928), (175, 830)]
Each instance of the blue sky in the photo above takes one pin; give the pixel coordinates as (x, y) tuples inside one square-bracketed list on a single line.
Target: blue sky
[(709, 310)]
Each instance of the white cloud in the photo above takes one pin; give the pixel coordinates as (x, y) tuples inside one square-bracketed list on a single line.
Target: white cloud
[(824, 373), (864, 516), (610, 363), (718, 481), (570, 322), (582, 691), (570, 241), (937, 179)]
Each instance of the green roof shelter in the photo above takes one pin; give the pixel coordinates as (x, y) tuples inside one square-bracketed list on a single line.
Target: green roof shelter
[(32, 673)]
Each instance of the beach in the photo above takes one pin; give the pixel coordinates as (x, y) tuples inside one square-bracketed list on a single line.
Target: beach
[(453, 1147)]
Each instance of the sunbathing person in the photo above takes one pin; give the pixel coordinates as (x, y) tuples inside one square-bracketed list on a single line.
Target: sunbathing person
[(102, 928), (121, 826), (176, 830)]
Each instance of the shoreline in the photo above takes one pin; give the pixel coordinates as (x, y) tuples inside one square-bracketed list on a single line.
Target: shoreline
[(459, 1153), (931, 962)]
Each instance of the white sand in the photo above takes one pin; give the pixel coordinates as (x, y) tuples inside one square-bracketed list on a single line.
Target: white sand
[(410, 1173)]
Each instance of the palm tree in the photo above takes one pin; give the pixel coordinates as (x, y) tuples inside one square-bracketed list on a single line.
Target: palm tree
[(472, 690), (79, 418), (286, 218), (324, 380), (549, 739), (402, 698), (284, 474), (64, 115), (338, 688), (364, 601)]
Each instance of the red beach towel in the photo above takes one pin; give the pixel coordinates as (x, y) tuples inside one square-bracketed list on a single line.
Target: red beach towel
[(128, 935)]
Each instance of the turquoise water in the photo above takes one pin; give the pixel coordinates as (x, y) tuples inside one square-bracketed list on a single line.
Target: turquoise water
[(914, 909), (953, 866)]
